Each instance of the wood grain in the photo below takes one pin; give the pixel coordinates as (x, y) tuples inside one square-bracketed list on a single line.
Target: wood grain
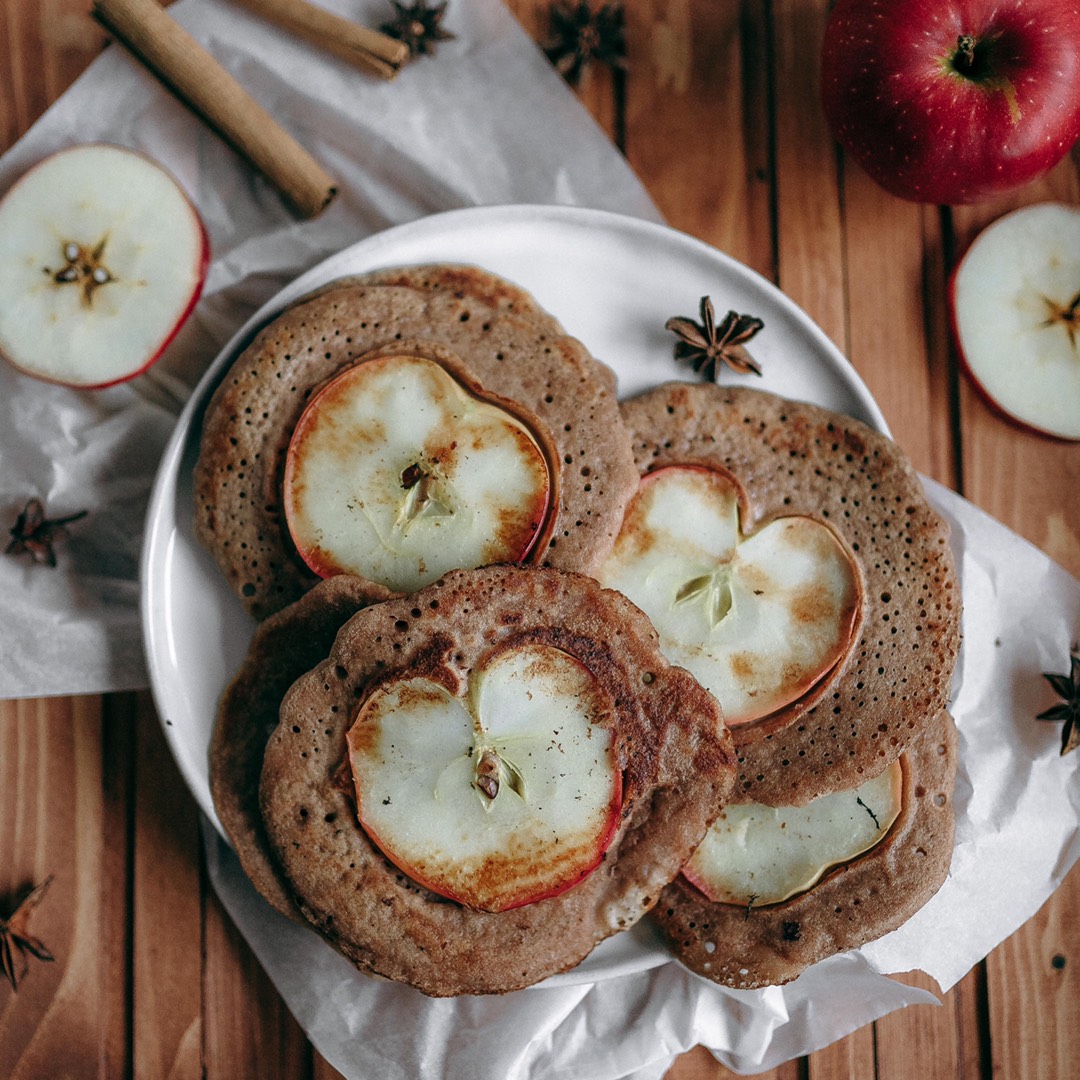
[(62, 812), (718, 115)]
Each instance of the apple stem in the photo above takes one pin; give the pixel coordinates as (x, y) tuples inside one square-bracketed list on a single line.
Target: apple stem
[(487, 774), (964, 59)]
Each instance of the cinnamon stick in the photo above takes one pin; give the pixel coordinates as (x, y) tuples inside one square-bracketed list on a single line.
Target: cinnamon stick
[(171, 54), (364, 48)]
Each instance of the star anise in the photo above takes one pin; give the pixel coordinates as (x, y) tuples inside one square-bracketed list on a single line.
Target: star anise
[(1068, 686), (418, 26), (16, 941), (706, 345), (580, 34), (33, 532)]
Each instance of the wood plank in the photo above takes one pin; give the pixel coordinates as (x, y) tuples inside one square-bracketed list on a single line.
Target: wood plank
[(167, 916), (58, 813), (696, 125), (810, 234), (1029, 482), (44, 46), (249, 1031), (854, 1057), (1034, 982)]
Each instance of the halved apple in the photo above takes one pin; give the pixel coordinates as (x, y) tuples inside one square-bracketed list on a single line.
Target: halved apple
[(755, 854), (1015, 304), (102, 258), (501, 797), (758, 620), (397, 472)]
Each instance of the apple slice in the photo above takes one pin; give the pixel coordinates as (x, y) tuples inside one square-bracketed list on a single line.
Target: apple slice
[(757, 854), (398, 473), (1015, 304), (102, 258), (758, 620), (502, 797)]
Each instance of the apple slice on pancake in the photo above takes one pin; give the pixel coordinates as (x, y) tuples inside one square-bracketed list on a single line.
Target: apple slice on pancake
[(755, 906), (498, 798), (397, 471), (485, 779), (760, 619), (879, 662)]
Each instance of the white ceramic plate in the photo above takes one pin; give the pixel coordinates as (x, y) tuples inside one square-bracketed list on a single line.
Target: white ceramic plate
[(612, 281)]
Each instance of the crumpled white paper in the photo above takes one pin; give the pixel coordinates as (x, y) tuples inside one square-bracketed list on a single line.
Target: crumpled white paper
[(486, 122)]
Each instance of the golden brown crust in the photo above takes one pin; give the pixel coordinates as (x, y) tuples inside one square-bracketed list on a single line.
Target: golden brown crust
[(749, 948), (669, 739), (283, 648), (249, 420), (795, 458)]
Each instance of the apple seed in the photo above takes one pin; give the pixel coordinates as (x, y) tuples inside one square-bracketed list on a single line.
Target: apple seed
[(423, 496), (487, 774), (84, 267)]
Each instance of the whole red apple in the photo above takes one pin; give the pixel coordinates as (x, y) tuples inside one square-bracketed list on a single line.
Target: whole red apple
[(953, 101)]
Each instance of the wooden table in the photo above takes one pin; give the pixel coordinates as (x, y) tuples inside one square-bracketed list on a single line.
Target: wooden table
[(718, 114)]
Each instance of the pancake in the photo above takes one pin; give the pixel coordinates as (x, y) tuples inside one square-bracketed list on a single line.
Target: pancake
[(667, 739), (795, 459), (284, 647), (748, 947), (250, 418)]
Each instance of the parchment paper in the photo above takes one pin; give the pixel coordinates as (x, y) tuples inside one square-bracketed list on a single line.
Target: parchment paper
[(487, 121)]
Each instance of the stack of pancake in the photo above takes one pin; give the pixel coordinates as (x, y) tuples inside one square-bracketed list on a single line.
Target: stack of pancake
[(692, 793)]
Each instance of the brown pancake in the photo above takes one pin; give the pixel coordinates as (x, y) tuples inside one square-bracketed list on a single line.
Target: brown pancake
[(670, 743), (284, 647), (792, 458), (250, 418), (751, 947)]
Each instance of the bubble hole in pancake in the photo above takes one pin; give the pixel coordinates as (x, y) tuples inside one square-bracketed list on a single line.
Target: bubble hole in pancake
[(667, 736), (249, 420), (796, 459), (283, 647), (748, 947)]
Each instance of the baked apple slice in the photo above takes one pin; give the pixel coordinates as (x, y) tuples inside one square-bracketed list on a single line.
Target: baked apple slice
[(102, 259), (501, 798), (756, 854), (759, 619), (397, 472)]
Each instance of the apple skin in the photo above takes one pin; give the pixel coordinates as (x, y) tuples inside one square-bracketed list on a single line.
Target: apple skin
[(200, 270), (928, 133)]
